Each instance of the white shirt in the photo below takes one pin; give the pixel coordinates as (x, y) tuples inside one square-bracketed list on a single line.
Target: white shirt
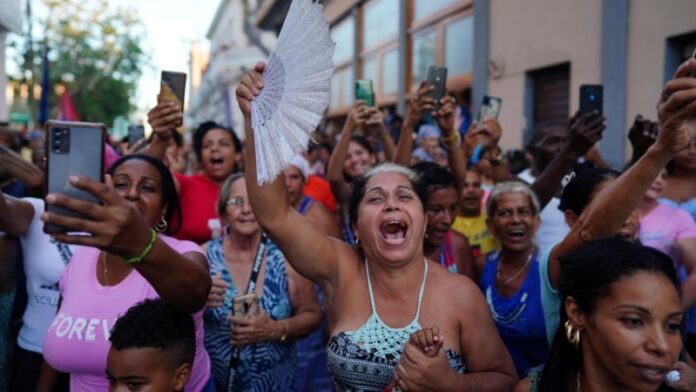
[(553, 228), (44, 261)]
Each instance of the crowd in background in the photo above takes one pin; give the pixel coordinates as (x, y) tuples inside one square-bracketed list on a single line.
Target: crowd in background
[(405, 253)]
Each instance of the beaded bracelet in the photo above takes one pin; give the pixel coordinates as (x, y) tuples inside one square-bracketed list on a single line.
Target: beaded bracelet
[(145, 252)]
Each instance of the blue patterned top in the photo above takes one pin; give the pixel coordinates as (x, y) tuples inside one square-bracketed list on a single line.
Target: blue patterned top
[(520, 317), (268, 366)]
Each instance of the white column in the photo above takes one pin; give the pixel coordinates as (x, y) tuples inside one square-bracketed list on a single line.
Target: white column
[(4, 112)]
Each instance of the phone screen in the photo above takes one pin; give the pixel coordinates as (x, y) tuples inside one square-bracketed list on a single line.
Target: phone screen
[(436, 76), (135, 133), (490, 107), (591, 98), (365, 92), (173, 87)]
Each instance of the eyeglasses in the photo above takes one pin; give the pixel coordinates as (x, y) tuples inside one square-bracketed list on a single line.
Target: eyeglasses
[(236, 201)]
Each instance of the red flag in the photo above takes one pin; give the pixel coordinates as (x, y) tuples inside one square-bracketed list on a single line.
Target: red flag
[(66, 108)]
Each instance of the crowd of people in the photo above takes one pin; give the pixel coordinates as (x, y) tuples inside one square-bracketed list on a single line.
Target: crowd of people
[(409, 255)]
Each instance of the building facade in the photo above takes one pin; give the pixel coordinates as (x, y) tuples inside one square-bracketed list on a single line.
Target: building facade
[(236, 44), (10, 22), (534, 54)]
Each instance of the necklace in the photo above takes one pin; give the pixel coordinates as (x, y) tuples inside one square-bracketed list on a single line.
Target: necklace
[(516, 274), (103, 258)]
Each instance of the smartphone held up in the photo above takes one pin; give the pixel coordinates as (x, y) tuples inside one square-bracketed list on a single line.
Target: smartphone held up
[(436, 76), (172, 87), (365, 92), (73, 148)]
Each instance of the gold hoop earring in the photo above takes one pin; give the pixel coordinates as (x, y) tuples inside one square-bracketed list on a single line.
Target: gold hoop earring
[(161, 226), (572, 334)]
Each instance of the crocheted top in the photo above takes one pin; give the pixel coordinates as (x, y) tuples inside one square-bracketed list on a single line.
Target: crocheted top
[(364, 360)]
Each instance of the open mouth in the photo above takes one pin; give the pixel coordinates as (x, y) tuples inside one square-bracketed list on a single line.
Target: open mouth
[(394, 231), (653, 374), (516, 234), (217, 162)]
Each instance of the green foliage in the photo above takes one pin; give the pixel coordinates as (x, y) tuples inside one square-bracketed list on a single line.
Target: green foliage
[(95, 51)]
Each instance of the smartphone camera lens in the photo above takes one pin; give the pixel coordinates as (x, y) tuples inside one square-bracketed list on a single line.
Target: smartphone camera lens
[(592, 97)]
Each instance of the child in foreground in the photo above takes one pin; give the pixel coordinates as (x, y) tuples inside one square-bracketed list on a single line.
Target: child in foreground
[(152, 349)]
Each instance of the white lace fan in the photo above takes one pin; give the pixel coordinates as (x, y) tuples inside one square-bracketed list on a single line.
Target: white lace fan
[(297, 84)]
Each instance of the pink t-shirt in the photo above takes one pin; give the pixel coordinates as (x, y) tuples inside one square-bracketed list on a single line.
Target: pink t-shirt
[(77, 342), (663, 226)]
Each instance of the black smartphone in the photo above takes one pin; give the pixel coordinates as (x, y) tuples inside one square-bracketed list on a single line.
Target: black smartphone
[(490, 107), (73, 148), (172, 87), (591, 98), (693, 71), (365, 92), (135, 134), (436, 76)]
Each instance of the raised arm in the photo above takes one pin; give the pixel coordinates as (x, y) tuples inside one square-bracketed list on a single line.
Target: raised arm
[(164, 119), (117, 227), (452, 142), (334, 171), (26, 172), (583, 133), (375, 125), (417, 106), (609, 210), (311, 252)]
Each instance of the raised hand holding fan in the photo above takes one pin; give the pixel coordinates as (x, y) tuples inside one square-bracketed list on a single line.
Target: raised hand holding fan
[(297, 84)]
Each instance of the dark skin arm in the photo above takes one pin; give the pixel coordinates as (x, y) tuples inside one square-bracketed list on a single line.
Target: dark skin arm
[(15, 215), (584, 132), (117, 227), (607, 212), (164, 119), (375, 125), (26, 172), (455, 154), (417, 106)]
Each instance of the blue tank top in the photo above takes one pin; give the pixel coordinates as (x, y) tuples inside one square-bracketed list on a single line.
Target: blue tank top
[(519, 318)]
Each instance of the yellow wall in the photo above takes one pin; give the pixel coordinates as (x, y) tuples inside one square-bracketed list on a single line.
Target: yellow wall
[(531, 34)]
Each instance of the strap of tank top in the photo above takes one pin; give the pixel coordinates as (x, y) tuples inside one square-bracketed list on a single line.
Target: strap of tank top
[(420, 293)]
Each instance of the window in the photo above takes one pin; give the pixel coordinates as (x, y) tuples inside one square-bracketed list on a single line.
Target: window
[(390, 72), (381, 22), (342, 93), (678, 50), (550, 100), (370, 69), (344, 36), (424, 51), (459, 46), (425, 8)]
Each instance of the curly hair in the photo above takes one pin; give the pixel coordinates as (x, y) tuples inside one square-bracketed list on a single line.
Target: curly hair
[(154, 324)]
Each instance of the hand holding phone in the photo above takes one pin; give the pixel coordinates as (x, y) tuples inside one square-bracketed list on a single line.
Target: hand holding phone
[(591, 98), (365, 92), (490, 108), (73, 149), (436, 77), (245, 305), (172, 88)]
